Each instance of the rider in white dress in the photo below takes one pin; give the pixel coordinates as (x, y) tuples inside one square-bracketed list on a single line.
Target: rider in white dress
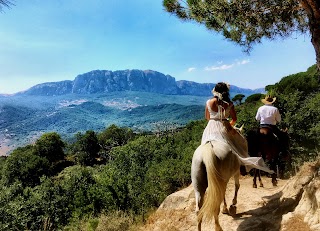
[(218, 110)]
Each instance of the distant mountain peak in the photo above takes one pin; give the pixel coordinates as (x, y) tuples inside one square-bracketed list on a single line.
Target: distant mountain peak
[(103, 81)]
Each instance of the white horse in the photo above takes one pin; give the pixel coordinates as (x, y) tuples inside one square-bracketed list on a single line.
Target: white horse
[(213, 164)]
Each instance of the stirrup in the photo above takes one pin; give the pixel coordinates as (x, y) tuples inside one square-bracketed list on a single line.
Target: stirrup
[(275, 136)]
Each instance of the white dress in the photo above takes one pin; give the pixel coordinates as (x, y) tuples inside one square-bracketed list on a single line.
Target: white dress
[(219, 129)]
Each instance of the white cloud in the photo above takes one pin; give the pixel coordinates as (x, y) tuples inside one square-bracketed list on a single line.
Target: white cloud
[(243, 62), (225, 66), (190, 69), (221, 68)]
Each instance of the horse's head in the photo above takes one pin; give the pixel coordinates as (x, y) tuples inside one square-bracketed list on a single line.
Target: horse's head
[(285, 137)]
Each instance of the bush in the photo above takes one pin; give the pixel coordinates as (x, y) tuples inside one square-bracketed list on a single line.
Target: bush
[(86, 148), (51, 146), (23, 166)]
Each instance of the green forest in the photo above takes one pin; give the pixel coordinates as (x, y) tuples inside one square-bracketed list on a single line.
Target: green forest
[(113, 179)]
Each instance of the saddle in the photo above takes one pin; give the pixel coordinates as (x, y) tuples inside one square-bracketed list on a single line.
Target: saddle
[(268, 130), (280, 139)]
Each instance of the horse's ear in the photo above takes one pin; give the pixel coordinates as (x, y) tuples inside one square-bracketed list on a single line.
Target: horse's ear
[(241, 128)]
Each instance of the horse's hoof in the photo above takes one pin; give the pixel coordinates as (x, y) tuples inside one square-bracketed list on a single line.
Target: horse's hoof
[(254, 186), (218, 228), (225, 211), (261, 185), (233, 210), (275, 183)]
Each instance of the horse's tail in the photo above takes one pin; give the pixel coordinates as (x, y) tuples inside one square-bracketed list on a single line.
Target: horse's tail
[(216, 187)]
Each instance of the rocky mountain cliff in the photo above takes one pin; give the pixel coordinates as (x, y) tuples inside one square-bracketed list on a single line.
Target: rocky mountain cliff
[(102, 81)]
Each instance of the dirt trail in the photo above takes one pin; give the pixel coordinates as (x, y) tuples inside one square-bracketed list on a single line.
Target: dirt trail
[(258, 209)]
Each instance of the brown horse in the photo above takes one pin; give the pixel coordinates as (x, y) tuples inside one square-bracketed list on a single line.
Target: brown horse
[(263, 142)]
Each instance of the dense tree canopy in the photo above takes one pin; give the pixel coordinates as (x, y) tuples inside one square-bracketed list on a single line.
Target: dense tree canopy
[(51, 146), (253, 98), (23, 166), (86, 148), (238, 98), (247, 22), (114, 136), (5, 3)]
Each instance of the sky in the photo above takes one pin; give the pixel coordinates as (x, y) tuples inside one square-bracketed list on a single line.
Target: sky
[(54, 40)]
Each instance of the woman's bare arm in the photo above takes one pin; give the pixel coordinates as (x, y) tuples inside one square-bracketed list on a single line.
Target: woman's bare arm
[(233, 115), (207, 114), (213, 106)]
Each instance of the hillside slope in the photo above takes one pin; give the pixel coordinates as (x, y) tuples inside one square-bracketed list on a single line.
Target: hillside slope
[(293, 205), (23, 119)]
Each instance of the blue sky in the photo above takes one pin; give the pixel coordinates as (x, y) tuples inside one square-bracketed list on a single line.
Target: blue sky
[(47, 41)]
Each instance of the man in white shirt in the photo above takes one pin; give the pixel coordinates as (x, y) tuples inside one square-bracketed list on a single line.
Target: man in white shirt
[(269, 116)]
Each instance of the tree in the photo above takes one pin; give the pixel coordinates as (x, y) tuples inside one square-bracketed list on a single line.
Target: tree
[(119, 136), (86, 148), (112, 137), (22, 165), (5, 3), (238, 98), (51, 146), (254, 98), (247, 22), (304, 82)]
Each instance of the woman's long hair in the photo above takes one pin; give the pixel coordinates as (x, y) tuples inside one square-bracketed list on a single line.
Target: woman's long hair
[(223, 89)]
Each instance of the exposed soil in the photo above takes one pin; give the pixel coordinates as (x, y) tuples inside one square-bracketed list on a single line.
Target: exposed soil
[(258, 209)]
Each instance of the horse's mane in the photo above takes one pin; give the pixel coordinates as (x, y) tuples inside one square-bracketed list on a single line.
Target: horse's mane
[(239, 137)]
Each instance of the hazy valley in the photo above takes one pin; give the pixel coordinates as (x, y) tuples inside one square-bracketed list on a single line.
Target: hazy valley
[(141, 100)]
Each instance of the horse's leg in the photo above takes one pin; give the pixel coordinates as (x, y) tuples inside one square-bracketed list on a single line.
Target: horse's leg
[(225, 207), (199, 200), (255, 178), (199, 183), (236, 188), (259, 177), (199, 196), (233, 208), (274, 179), (274, 175)]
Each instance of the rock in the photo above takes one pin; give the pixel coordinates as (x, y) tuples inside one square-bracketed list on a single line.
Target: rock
[(175, 213), (292, 205), (50, 89), (103, 81), (193, 88), (307, 182)]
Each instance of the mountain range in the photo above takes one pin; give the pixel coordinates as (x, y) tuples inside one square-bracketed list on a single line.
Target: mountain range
[(141, 100), (104, 81)]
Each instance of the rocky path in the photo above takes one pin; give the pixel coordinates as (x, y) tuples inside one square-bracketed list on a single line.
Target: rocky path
[(258, 209)]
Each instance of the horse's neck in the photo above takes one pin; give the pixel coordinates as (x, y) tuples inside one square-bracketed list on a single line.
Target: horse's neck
[(241, 143)]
